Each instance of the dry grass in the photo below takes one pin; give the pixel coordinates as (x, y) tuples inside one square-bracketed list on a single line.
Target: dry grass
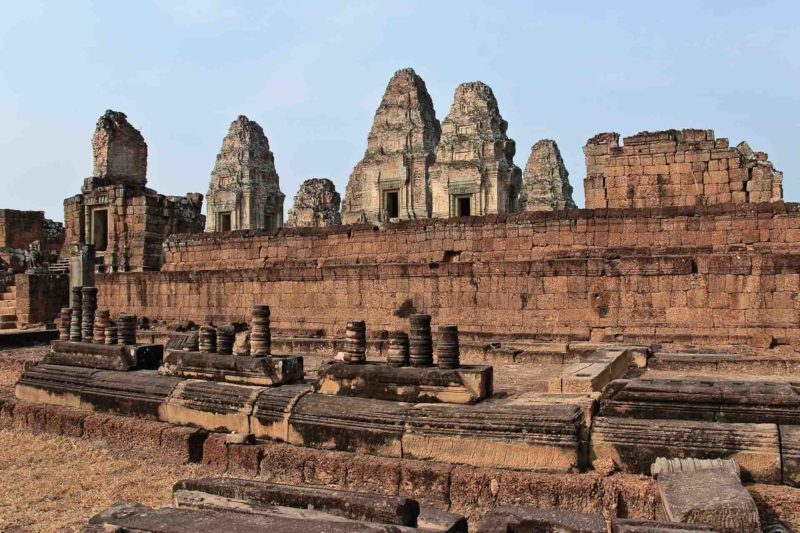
[(50, 483)]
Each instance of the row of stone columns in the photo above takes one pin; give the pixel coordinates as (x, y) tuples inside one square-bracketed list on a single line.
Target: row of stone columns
[(221, 339), (413, 349), (83, 322)]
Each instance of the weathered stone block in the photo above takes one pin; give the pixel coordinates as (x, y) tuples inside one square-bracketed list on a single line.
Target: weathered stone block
[(790, 453), (142, 393), (523, 519), (624, 525), (712, 497), (284, 463), (215, 452), (210, 405), (464, 385), (538, 437), (695, 399), (426, 481), (635, 444), (51, 384), (242, 370), (374, 474), (272, 410), (123, 432), (105, 357), (348, 424), (360, 506), (181, 444)]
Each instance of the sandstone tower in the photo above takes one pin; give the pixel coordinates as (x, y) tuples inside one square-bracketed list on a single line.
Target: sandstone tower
[(120, 153), (391, 181), (474, 173), (316, 205), (245, 191), (123, 221), (545, 184)]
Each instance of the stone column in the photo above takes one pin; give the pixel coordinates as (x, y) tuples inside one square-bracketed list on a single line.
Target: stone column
[(448, 350), (89, 306), (355, 342), (75, 319), (208, 339), (397, 349), (110, 335), (126, 326), (420, 342), (260, 336), (81, 266), (102, 320), (226, 335), (64, 323)]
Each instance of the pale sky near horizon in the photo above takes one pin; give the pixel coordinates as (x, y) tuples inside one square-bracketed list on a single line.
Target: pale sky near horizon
[(312, 74)]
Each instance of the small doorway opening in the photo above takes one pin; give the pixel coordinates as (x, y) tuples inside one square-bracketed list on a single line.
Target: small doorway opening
[(392, 201), (463, 206), (100, 229), (224, 222)]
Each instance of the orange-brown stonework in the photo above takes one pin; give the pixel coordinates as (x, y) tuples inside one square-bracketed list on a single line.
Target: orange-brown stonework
[(723, 273), (676, 167)]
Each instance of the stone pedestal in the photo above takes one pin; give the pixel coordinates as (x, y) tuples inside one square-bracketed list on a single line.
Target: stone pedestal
[(93, 355), (246, 370), (464, 385)]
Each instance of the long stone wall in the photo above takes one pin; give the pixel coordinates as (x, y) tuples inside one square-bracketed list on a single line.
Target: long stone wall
[(518, 237), (711, 275)]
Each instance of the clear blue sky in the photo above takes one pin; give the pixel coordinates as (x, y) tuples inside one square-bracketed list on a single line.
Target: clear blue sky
[(313, 72)]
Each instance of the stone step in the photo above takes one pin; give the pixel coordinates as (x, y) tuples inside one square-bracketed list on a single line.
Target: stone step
[(8, 318), (8, 295), (7, 304), (8, 325)]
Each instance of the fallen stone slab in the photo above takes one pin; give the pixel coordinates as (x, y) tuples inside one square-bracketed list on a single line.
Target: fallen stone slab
[(790, 451), (544, 437), (620, 525), (105, 357), (134, 517), (712, 497), (362, 506), (242, 370), (665, 465), (634, 444), (702, 399), (530, 519), (464, 385)]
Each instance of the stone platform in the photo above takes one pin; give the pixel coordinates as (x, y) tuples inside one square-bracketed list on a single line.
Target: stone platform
[(494, 433), (106, 357), (243, 370), (464, 385)]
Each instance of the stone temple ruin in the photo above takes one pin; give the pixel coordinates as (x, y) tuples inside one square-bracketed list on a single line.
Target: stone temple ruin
[(244, 191), (629, 366)]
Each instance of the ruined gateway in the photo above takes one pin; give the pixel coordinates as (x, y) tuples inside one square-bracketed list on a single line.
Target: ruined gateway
[(629, 366)]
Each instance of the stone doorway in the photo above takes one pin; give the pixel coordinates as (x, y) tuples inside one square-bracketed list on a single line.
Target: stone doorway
[(392, 204), (464, 206)]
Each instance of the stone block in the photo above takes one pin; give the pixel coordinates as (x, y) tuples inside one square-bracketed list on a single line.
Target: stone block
[(272, 409), (464, 385), (136, 517), (283, 463), (348, 424), (493, 434), (105, 357), (64, 421), (53, 384), (426, 481), (378, 475), (790, 453), (524, 519), (182, 445), (703, 399), (141, 393), (242, 370), (211, 405), (625, 525), (635, 444), (712, 497), (244, 460), (123, 432), (352, 505), (215, 452)]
